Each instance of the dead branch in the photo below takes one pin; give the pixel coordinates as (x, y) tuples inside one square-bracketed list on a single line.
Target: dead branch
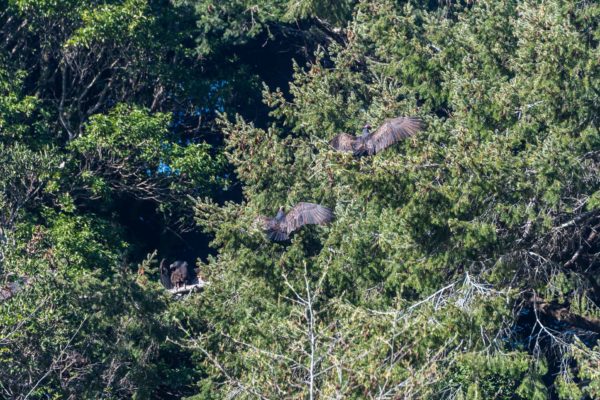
[(579, 218), (193, 287), (592, 236)]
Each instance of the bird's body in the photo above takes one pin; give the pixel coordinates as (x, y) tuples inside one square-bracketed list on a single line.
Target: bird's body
[(390, 132), (175, 275), (179, 273), (282, 225), (280, 216)]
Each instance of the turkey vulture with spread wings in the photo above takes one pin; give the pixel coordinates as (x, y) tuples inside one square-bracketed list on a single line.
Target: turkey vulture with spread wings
[(280, 227), (390, 132)]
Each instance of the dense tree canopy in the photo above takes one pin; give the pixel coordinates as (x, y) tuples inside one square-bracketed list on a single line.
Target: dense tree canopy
[(462, 262)]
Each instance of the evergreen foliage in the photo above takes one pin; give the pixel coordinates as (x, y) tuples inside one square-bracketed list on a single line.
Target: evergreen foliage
[(462, 263)]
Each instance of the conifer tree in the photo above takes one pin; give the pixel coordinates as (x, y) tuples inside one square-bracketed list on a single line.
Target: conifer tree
[(461, 263)]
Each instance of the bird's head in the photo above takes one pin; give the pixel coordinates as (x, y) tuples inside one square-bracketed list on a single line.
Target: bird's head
[(365, 129), (280, 214)]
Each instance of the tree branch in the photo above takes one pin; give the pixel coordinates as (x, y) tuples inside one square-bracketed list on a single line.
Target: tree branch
[(561, 313)]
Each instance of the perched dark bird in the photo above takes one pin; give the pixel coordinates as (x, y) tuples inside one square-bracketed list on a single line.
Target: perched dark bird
[(179, 273), (280, 227), (390, 132)]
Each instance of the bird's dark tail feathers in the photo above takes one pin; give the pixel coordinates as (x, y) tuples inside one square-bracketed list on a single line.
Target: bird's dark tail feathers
[(165, 274)]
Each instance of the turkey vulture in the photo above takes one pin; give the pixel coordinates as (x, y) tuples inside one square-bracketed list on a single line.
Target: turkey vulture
[(280, 227), (175, 275), (390, 132), (179, 273)]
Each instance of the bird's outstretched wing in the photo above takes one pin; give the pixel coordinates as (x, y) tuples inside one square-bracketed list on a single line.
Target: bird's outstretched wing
[(392, 131), (307, 213), (272, 228), (343, 142)]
